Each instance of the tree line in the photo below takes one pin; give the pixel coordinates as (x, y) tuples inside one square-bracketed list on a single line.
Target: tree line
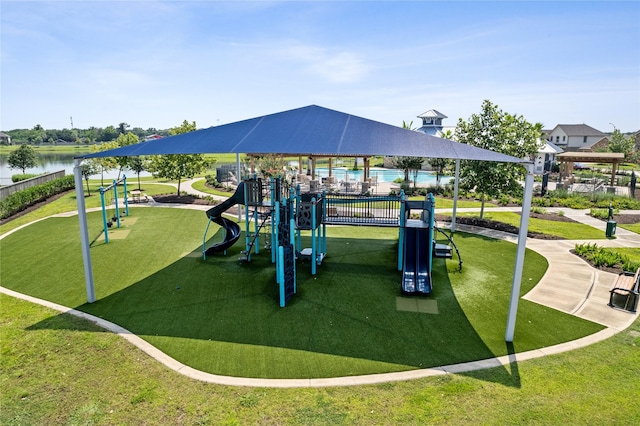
[(38, 135), (172, 166)]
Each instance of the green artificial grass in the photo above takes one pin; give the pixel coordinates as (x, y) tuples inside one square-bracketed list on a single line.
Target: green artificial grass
[(567, 230), (222, 316)]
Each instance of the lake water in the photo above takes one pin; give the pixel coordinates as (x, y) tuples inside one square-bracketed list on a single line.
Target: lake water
[(49, 163)]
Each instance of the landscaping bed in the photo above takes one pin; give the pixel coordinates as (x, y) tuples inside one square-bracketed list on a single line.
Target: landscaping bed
[(625, 219), (505, 227), (183, 199)]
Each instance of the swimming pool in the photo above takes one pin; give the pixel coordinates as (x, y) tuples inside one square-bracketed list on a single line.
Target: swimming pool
[(383, 175)]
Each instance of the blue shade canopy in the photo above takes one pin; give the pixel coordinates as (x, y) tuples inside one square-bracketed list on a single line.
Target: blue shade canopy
[(311, 130)]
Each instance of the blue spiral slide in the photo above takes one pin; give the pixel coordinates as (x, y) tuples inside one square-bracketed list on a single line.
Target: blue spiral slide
[(232, 229)]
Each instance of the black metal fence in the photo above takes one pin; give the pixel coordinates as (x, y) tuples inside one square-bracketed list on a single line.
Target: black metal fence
[(362, 210)]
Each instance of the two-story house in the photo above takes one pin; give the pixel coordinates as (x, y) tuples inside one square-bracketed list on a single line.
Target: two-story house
[(575, 137)]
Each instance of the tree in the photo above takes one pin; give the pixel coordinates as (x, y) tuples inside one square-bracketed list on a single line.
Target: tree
[(137, 165), (89, 168), (440, 164), (408, 163), (124, 139), (105, 163), (178, 166), (122, 128), (37, 135), (620, 143), (271, 165), (108, 134), (23, 158), (497, 131)]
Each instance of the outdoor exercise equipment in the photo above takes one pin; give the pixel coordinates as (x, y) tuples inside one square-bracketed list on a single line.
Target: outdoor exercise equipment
[(116, 213)]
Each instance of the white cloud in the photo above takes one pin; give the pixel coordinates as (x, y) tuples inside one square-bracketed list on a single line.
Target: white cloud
[(329, 64)]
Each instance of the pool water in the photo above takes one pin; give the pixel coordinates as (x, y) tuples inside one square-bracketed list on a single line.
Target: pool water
[(383, 175)]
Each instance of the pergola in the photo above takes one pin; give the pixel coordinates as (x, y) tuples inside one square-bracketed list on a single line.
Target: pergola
[(567, 159), (315, 131)]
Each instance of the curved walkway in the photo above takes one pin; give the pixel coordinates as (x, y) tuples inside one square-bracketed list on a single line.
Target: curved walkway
[(569, 285)]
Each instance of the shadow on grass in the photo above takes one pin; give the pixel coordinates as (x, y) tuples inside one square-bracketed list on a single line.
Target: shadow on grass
[(222, 316)]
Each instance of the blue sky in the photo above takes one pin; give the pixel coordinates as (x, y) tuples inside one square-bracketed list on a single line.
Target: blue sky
[(155, 64)]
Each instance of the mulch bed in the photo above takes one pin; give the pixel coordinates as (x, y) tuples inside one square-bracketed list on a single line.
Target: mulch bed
[(182, 199), (504, 227), (625, 219), (612, 269)]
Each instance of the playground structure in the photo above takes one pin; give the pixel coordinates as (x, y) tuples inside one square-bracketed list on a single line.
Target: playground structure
[(417, 246), (280, 213), (107, 223)]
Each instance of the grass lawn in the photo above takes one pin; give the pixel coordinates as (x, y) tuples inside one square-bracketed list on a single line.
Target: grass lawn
[(633, 227), (222, 316), (68, 203), (57, 369), (199, 185), (566, 230)]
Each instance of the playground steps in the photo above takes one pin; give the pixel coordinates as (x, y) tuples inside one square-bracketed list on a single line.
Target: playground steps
[(443, 250)]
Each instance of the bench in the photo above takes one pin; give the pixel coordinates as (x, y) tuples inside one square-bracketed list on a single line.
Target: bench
[(627, 286), (139, 197)]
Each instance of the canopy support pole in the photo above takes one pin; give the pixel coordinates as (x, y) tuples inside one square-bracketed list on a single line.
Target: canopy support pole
[(614, 168), (84, 232), (520, 251), (455, 196), (239, 179)]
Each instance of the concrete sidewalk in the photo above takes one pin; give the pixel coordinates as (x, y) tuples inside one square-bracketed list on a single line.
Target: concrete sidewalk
[(570, 284)]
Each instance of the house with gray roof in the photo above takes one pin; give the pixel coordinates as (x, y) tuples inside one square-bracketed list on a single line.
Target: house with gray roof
[(575, 137), (5, 139)]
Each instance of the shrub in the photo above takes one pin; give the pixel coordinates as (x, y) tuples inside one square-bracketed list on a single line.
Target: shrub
[(21, 177), (577, 202), (584, 249), (559, 193), (538, 210), (213, 182), (601, 256), (630, 266), (602, 213), (541, 202), (504, 200), (20, 200)]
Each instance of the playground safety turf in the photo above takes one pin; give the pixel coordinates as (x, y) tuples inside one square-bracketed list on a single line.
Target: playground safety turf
[(222, 316)]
